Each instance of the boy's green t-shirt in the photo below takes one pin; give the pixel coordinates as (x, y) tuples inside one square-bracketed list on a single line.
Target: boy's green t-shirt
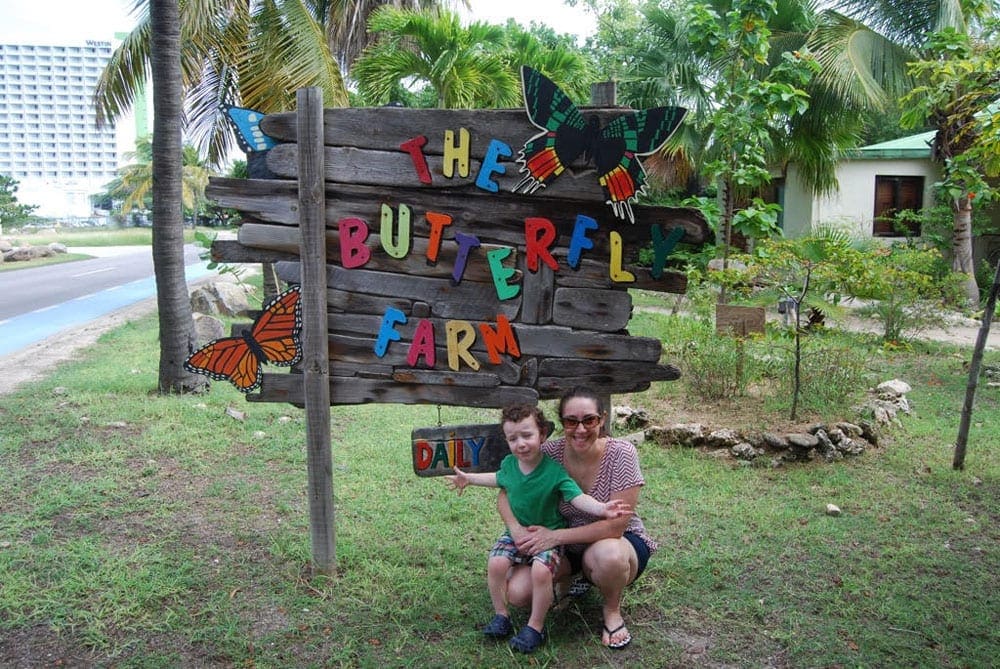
[(534, 498)]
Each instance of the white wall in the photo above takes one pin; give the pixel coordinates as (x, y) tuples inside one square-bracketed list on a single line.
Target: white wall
[(853, 206)]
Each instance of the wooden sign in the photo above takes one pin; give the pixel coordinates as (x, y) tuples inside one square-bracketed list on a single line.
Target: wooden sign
[(738, 321), (473, 448), (443, 286)]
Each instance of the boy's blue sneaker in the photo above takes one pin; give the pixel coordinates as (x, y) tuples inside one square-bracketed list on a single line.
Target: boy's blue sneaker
[(527, 640), (499, 627)]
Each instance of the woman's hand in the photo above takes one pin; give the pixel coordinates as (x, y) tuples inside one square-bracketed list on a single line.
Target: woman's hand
[(536, 539)]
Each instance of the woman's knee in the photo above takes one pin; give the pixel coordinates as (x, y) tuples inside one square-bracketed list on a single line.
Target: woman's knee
[(610, 560)]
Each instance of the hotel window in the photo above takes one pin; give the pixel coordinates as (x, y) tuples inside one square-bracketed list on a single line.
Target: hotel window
[(894, 194)]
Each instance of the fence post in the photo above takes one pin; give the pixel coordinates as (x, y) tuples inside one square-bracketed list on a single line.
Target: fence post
[(315, 348)]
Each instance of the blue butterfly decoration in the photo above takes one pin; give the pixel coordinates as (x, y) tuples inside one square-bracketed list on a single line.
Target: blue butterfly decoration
[(248, 133)]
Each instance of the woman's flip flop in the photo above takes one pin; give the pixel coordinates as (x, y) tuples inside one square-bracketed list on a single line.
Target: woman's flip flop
[(622, 642)]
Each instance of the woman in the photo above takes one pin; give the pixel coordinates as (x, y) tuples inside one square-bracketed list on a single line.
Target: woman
[(611, 553)]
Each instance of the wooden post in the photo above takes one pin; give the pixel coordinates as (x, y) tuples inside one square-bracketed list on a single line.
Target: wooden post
[(977, 360), (315, 358), (605, 94)]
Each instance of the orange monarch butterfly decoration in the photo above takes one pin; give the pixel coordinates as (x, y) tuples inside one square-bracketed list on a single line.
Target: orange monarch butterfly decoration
[(273, 338)]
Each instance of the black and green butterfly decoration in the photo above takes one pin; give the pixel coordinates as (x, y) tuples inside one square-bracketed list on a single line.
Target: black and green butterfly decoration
[(567, 135)]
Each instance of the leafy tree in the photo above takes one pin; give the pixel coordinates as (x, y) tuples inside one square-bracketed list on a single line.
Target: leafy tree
[(960, 95), (464, 64), (252, 53), (753, 99), (133, 185), (11, 211)]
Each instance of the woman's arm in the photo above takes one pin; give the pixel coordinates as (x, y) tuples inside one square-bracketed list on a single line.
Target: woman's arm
[(538, 539)]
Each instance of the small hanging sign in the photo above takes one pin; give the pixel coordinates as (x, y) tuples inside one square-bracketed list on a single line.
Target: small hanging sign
[(474, 448)]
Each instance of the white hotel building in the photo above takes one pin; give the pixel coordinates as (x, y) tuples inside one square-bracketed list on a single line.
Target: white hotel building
[(49, 139)]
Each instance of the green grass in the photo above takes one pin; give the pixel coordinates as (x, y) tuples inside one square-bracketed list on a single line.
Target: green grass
[(94, 236), (139, 530), (41, 262)]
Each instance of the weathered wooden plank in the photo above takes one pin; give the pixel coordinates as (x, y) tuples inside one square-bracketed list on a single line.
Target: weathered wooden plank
[(496, 218), (343, 301), (551, 387), (284, 238), (469, 300), (591, 309), (359, 349), (366, 370), (232, 251), (345, 391), (449, 378), (385, 128), (271, 200), (581, 368), (349, 165), (561, 342), (536, 297)]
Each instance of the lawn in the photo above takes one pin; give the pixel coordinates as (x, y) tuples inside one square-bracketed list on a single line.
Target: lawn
[(146, 531)]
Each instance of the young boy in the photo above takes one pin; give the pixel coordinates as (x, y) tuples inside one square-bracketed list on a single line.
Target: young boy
[(535, 483)]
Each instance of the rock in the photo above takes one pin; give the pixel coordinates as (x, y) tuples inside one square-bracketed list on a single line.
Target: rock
[(723, 438), (56, 247), (5, 245), (222, 298), (802, 440), (679, 434), (832, 510), (744, 451), (849, 446), (208, 328), (628, 418), (850, 429), (893, 388), (776, 441)]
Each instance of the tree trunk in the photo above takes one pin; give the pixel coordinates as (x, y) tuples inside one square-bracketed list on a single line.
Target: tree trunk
[(962, 261), (177, 333), (958, 462)]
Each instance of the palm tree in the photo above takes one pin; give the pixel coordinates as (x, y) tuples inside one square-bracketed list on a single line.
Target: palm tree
[(177, 334), (463, 64), (672, 69), (251, 53), (866, 52), (134, 183)]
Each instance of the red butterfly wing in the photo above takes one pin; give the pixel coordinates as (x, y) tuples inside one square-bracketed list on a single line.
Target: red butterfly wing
[(277, 329), (227, 359)]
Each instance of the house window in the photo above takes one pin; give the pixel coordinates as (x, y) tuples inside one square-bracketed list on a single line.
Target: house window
[(893, 195)]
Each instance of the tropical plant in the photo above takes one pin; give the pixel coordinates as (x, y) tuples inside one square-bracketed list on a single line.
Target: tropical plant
[(464, 65), (754, 95), (803, 274), (132, 188), (11, 211), (960, 94), (254, 53)]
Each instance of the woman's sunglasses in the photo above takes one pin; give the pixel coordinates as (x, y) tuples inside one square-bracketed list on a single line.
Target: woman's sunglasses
[(570, 422)]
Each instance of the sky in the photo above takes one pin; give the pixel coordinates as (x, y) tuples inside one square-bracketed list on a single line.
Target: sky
[(72, 22)]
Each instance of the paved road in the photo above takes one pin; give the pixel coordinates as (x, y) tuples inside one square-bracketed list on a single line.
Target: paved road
[(40, 302)]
